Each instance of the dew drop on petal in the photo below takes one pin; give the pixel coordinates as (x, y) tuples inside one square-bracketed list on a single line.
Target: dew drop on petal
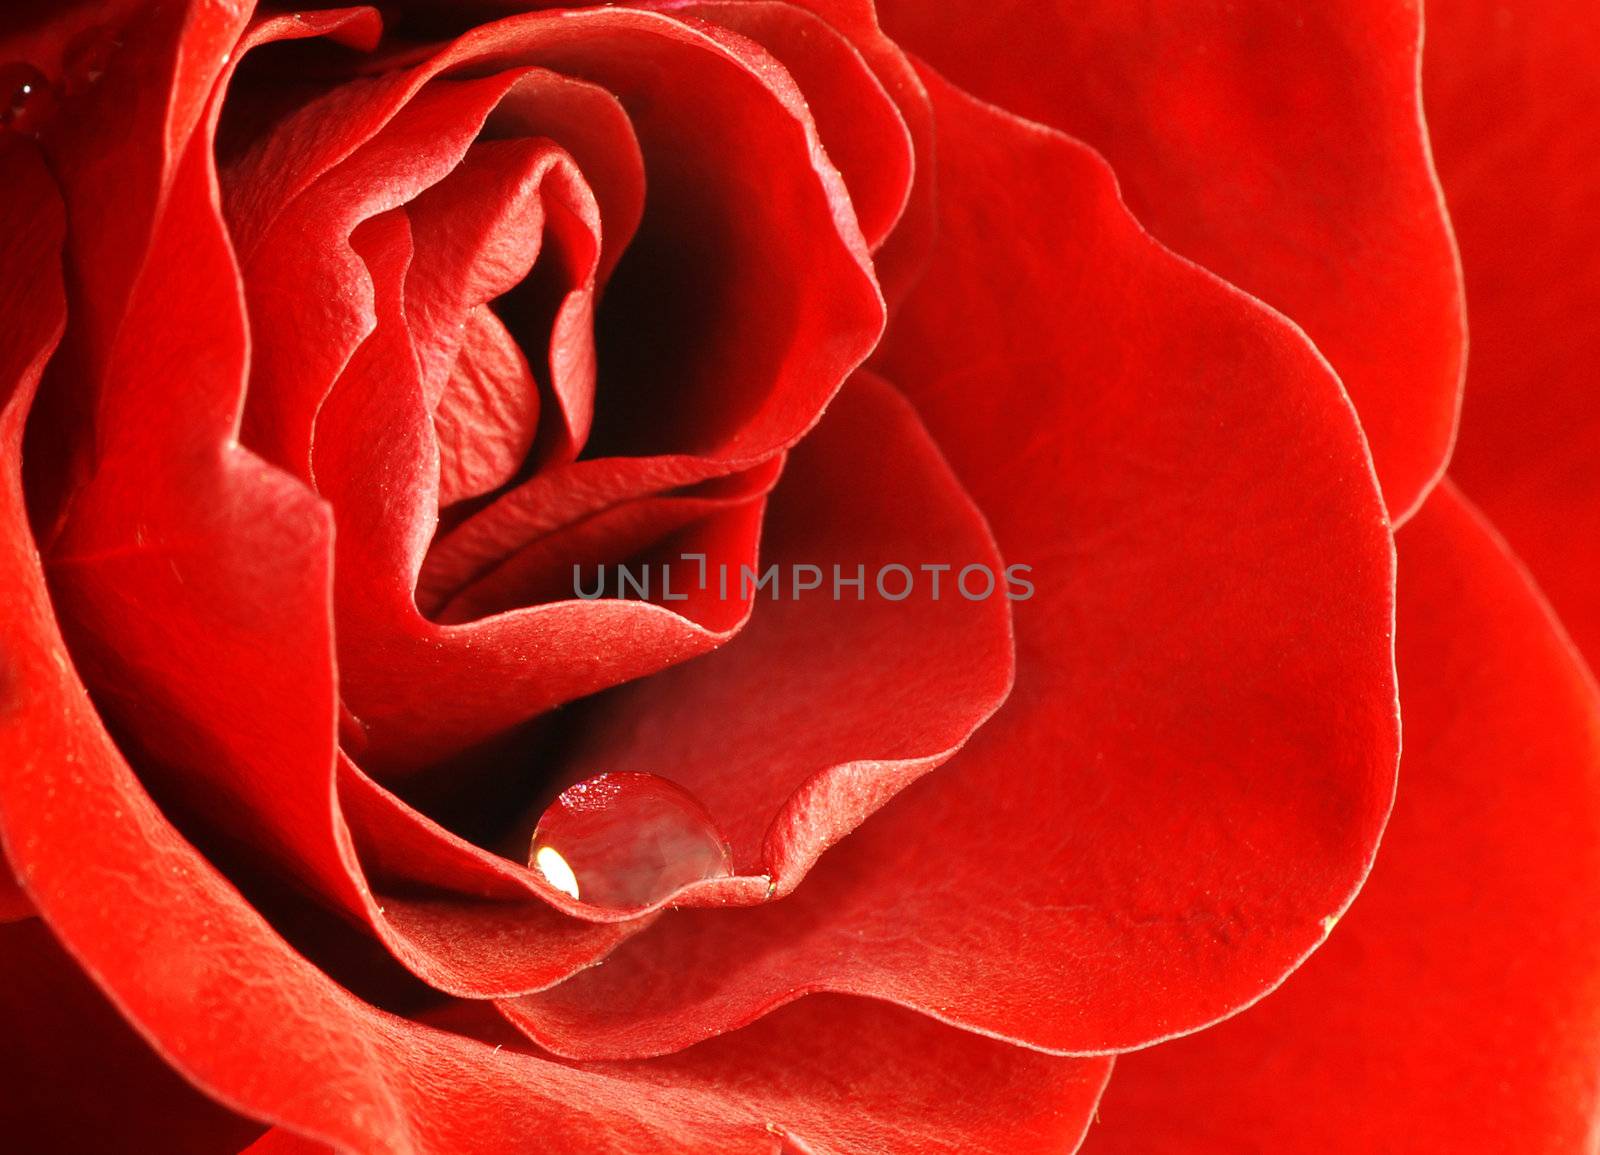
[(627, 840), (24, 98), (88, 57), (548, 861)]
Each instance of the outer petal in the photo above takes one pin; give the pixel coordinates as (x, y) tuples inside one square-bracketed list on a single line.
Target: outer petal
[(1514, 98), (77, 1078), (195, 581), (73, 1076), (230, 1005), (1281, 145), (902, 256), (1457, 1007), (856, 119), (1193, 770)]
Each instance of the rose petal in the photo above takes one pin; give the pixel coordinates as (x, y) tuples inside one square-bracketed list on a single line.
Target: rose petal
[(31, 301), (115, 146), (1280, 145), (488, 414), (826, 77), (1196, 763), (593, 126), (831, 701), (835, 1076), (74, 1076), (775, 214), (1512, 91), (126, 140), (422, 691), (547, 566), (857, 120), (900, 259), (477, 238), (311, 304), (77, 1078), (767, 259), (230, 1006), (1455, 1007), (195, 581), (233, 1008), (477, 234)]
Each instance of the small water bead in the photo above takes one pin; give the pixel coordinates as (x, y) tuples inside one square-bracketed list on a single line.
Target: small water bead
[(88, 57), (627, 840), (25, 98)]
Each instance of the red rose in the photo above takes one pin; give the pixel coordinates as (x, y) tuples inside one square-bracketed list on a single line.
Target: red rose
[(708, 489)]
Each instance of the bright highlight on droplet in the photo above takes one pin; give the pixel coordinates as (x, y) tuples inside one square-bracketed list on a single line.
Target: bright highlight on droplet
[(25, 97), (627, 840), (548, 861)]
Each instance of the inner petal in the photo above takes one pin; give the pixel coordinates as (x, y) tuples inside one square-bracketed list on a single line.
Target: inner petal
[(488, 412)]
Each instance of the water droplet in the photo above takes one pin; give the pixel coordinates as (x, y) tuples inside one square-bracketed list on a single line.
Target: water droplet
[(548, 861), (627, 840), (25, 98), (88, 57)]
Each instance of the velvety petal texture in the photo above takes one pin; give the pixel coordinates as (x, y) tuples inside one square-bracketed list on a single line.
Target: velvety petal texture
[(341, 346), (235, 1009), (828, 704), (1183, 784), (892, 187), (231, 1006), (76, 1077), (196, 583), (64, 1045), (1455, 1007), (207, 556), (1280, 145), (770, 304), (1512, 92)]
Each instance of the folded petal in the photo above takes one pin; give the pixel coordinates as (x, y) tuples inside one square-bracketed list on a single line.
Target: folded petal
[(742, 303), (194, 582), (421, 691), (31, 300), (891, 187), (1280, 145), (1455, 1007), (1196, 763), (899, 260), (237, 1011), (831, 700), (74, 1076), (858, 122), (77, 1078), (1514, 100), (488, 414)]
